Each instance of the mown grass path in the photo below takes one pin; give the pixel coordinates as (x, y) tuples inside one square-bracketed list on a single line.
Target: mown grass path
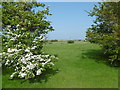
[(80, 66)]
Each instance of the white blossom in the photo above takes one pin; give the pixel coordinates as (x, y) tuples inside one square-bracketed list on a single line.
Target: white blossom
[(23, 68), (8, 26), (9, 50), (16, 67), (33, 41), (18, 35), (48, 60), (27, 55), (12, 50), (22, 74), (19, 42), (22, 28), (18, 45), (43, 64), (51, 63), (53, 57), (34, 47), (7, 62), (39, 71), (33, 57), (1, 54), (40, 37), (13, 75), (27, 50), (30, 53), (18, 25), (24, 60), (17, 29), (31, 66), (13, 39), (47, 56)]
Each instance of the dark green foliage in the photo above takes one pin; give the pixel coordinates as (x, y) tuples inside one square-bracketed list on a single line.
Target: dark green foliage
[(79, 40), (54, 40), (70, 41), (106, 29)]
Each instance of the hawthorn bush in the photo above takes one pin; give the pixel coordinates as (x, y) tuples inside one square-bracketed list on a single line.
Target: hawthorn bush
[(23, 32), (106, 29)]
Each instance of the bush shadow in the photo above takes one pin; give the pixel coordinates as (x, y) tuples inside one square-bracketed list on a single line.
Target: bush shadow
[(6, 70), (38, 79), (44, 77), (97, 55)]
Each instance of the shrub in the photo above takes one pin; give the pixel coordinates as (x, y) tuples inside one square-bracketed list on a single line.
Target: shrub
[(70, 41), (79, 40), (54, 40)]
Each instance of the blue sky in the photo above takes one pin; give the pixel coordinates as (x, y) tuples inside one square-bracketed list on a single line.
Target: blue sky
[(69, 19)]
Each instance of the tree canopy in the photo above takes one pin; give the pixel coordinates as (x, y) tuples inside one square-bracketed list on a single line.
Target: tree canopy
[(106, 29), (23, 32)]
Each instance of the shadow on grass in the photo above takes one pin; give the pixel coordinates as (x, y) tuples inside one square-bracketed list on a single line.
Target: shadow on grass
[(38, 79), (6, 70), (44, 76), (97, 55)]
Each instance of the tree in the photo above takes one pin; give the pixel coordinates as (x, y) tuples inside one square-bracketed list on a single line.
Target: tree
[(23, 32), (106, 30)]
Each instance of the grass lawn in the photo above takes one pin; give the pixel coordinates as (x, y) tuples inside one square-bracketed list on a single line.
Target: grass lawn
[(80, 66)]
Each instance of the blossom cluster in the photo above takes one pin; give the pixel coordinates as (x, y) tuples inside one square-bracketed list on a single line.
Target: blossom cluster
[(27, 65), (23, 57)]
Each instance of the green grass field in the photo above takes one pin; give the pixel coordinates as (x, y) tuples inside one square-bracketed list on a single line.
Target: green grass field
[(80, 65)]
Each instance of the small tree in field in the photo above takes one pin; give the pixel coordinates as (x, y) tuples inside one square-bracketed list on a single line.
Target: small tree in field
[(70, 41), (23, 32)]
